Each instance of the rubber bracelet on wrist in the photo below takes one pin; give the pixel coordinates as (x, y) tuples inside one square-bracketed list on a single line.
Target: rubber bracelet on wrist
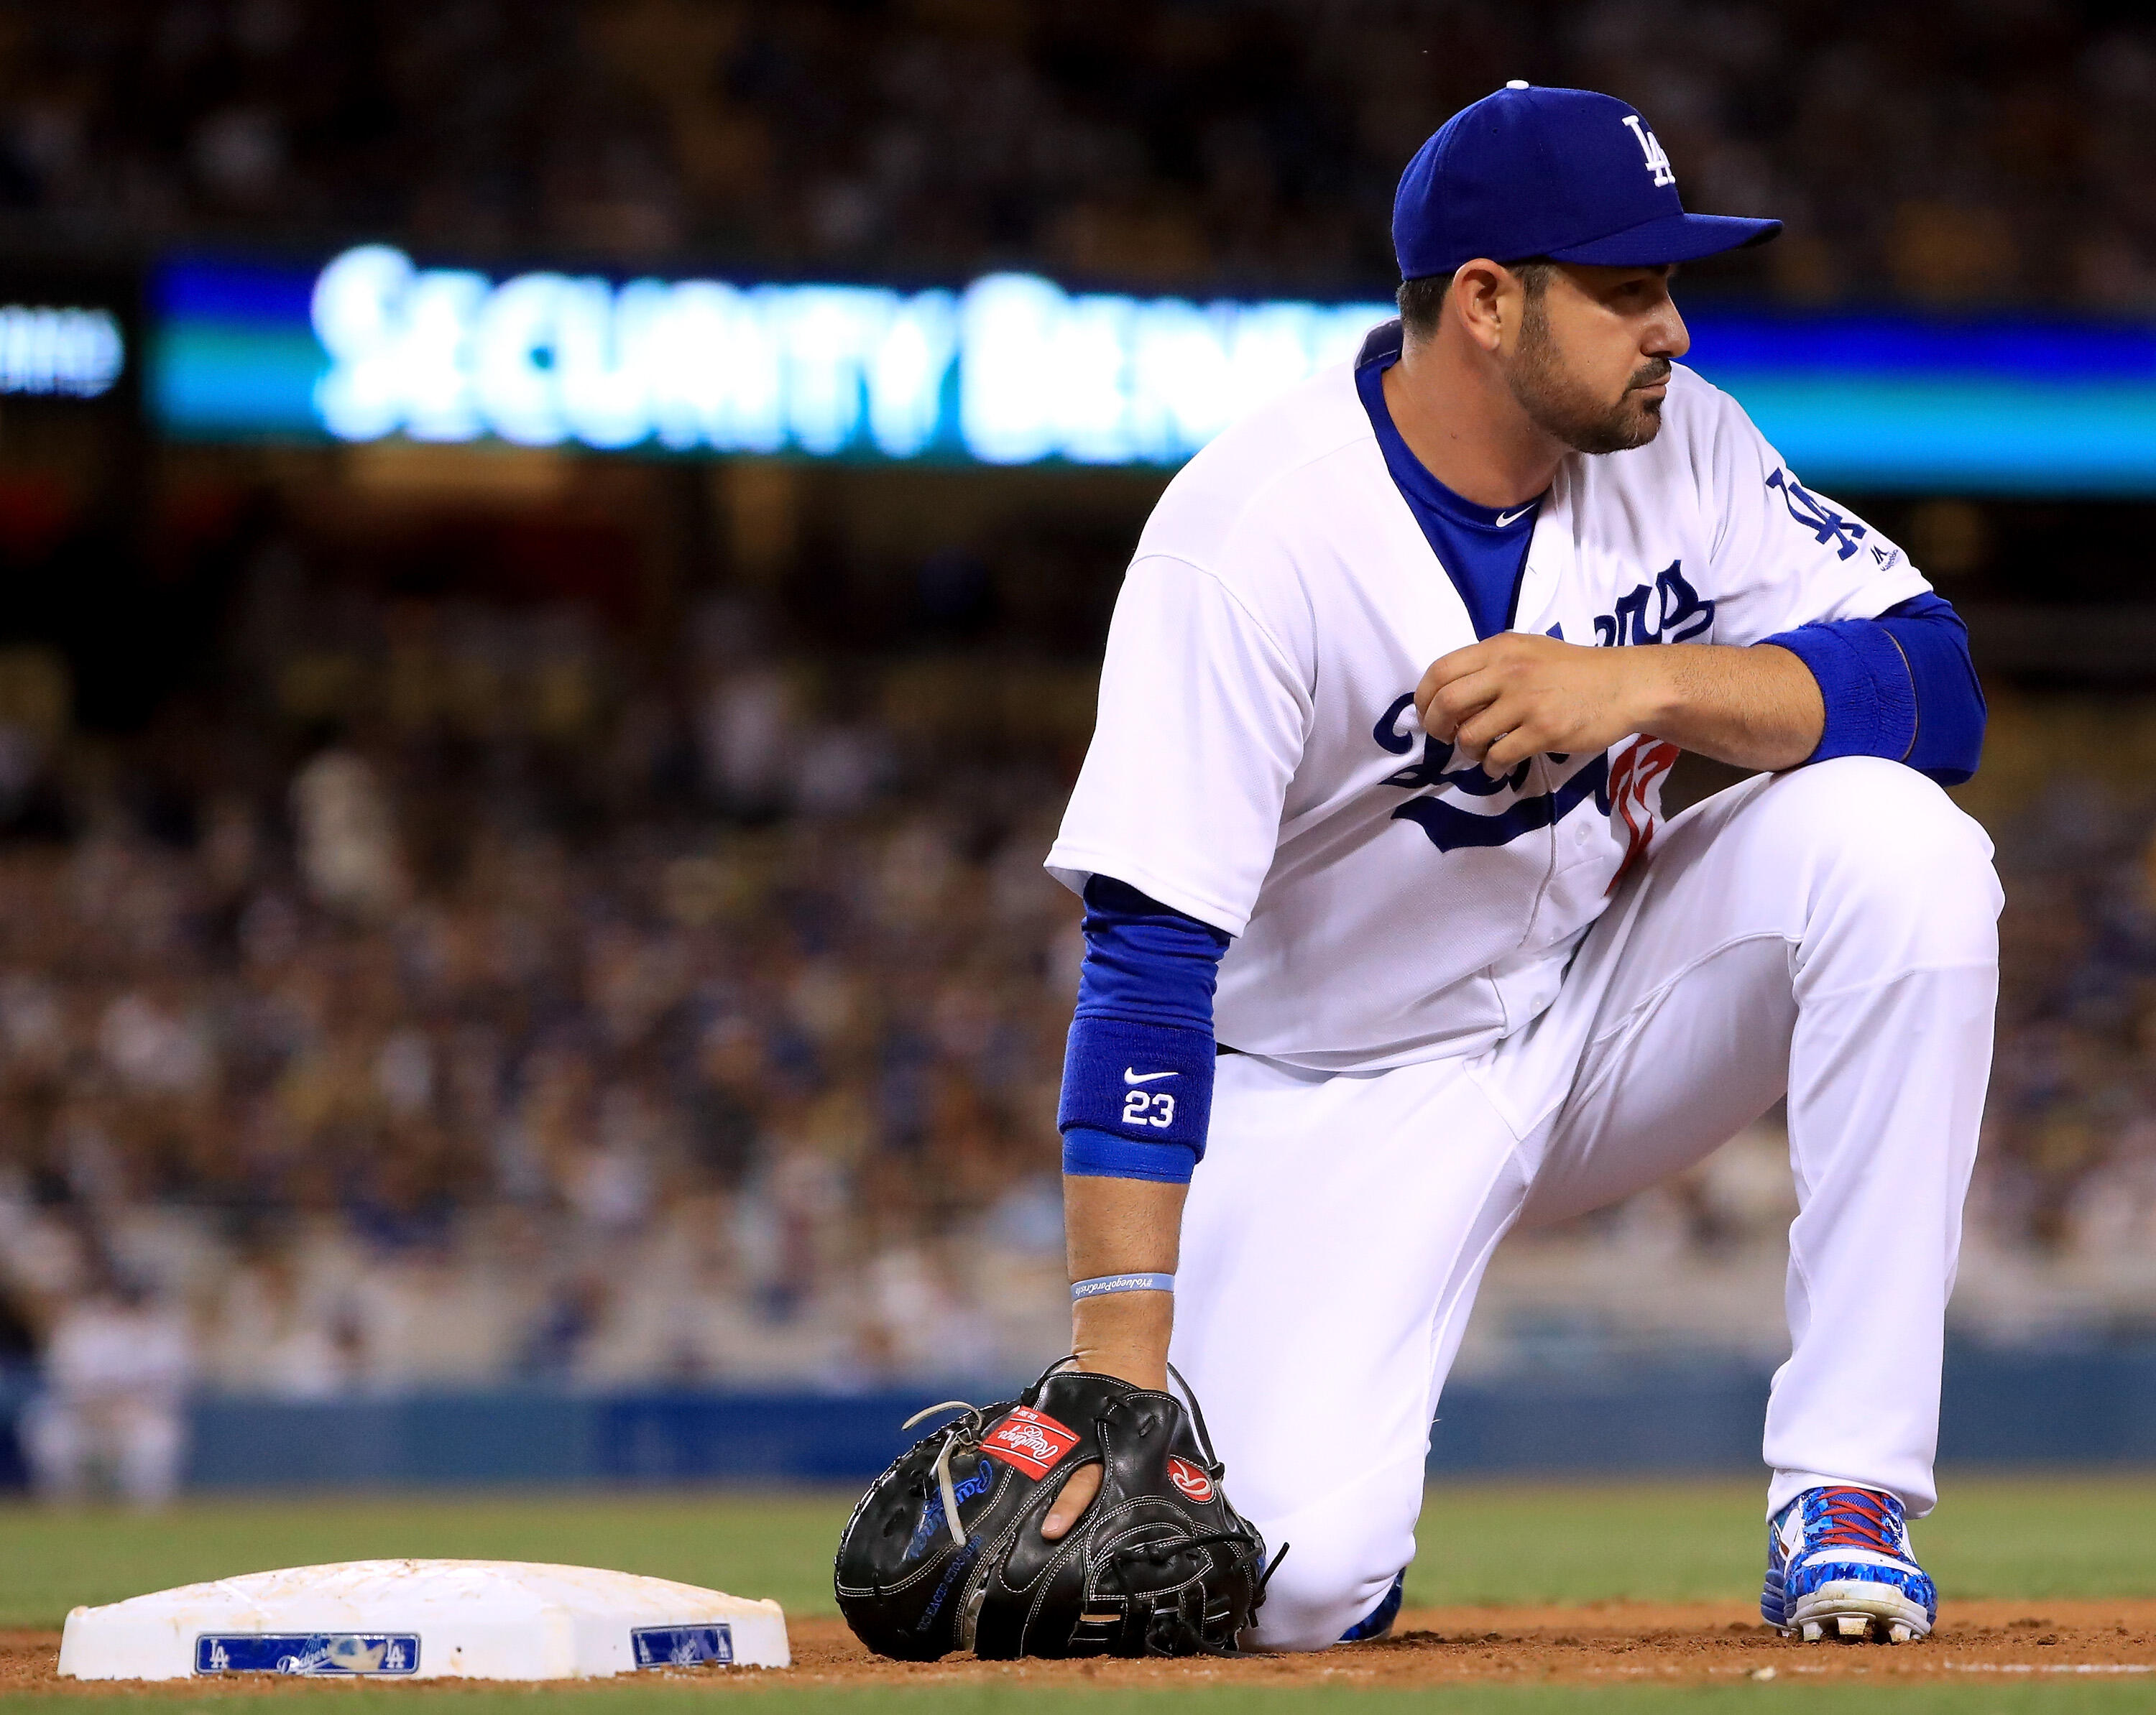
[(1101, 1285)]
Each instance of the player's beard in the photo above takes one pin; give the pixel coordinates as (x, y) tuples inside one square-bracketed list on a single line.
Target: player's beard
[(1560, 404)]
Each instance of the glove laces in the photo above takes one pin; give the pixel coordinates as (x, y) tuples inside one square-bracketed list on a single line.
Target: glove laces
[(960, 1436)]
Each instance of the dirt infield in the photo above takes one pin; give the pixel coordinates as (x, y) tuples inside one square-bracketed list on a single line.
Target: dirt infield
[(1605, 1641)]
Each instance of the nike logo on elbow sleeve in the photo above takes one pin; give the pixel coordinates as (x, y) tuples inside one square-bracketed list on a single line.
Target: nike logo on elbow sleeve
[(1130, 1075)]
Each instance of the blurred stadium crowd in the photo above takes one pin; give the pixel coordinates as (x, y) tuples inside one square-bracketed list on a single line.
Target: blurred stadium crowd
[(714, 1037), (537, 1021), (1948, 150)]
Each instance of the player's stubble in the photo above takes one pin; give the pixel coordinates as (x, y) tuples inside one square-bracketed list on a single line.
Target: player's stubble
[(1564, 406)]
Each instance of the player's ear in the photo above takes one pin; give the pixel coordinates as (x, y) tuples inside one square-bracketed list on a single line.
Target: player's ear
[(1480, 292)]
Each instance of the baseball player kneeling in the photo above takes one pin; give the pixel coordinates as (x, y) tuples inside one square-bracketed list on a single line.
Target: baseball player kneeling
[(1388, 949)]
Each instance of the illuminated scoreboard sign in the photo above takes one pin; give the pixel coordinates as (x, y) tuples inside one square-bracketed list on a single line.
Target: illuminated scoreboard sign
[(1014, 369), (63, 351), (1010, 369)]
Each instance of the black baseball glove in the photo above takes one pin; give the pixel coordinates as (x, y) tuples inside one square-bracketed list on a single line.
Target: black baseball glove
[(945, 1552)]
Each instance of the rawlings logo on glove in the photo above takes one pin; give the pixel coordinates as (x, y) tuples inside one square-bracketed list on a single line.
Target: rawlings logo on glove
[(1032, 1442)]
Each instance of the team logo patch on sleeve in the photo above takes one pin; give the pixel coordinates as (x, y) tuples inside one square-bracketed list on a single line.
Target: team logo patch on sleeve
[(1192, 1483), (1032, 1442)]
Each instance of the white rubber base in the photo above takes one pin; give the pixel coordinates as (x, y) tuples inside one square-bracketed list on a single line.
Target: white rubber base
[(423, 1619)]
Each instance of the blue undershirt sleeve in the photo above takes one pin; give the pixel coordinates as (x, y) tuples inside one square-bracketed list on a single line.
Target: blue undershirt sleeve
[(1138, 1072), (1901, 686)]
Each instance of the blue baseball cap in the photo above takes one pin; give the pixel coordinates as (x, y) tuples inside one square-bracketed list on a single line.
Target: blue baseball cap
[(1566, 174)]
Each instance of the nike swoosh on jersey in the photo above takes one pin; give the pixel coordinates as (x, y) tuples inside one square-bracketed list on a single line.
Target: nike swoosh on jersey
[(1130, 1075), (1506, 517)]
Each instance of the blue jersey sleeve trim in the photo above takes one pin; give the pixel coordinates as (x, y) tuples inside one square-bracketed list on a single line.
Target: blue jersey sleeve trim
[(1095, 1154), (1950, 711), (1137, 1072)]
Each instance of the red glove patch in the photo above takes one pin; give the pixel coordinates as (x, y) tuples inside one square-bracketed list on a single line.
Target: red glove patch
[(1030, 1441), (1190, 1482)]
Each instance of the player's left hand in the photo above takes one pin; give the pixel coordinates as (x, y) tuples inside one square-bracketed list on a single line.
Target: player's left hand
[(1517, 695)]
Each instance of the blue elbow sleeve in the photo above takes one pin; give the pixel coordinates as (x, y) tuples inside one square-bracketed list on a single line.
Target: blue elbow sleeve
[(1950, 711), (1901, 686)]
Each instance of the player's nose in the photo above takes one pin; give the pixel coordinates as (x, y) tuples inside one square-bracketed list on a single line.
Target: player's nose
[(1667, 335)]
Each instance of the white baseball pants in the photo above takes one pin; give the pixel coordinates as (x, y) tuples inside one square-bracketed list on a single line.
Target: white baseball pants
[(1830, 932)]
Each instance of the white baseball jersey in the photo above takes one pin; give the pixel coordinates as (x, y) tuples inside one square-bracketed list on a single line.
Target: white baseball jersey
[(1256, 762)]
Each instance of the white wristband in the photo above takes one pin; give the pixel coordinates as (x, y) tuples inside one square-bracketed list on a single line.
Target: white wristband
[(1101, 1285)]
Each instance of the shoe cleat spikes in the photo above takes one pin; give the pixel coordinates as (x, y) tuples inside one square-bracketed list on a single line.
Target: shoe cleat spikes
[(1813, 1631), (1854, 1628)]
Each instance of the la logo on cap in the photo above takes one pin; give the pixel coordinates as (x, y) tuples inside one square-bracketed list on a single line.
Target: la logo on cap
[(1658, 162)]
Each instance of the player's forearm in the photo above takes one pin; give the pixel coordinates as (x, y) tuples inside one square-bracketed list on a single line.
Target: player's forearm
[(1122, 1226), (1757, 706)]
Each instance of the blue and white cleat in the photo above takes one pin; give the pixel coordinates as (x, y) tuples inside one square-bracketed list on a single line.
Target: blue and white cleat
[(1839, 1566)]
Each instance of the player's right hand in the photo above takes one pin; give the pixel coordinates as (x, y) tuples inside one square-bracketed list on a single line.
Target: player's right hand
[(1517, 695)]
